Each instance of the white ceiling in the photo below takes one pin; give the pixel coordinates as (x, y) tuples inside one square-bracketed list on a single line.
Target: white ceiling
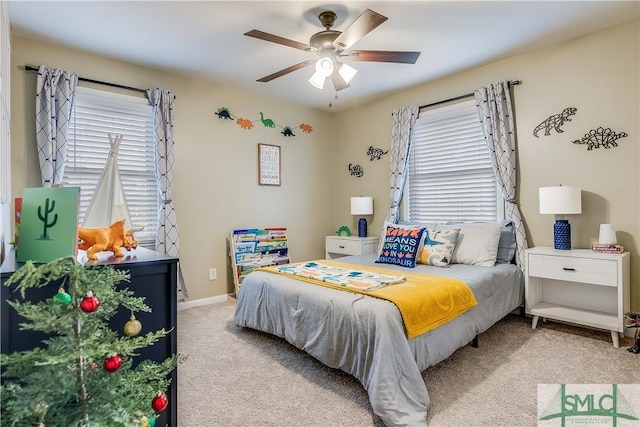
[(205, 39)]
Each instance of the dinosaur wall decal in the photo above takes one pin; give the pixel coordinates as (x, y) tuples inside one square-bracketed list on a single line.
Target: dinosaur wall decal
[(268, 123)]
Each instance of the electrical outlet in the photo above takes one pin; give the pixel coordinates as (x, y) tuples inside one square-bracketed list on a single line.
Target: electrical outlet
[(213, 274)]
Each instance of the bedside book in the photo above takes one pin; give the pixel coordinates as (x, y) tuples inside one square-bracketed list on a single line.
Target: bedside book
[(607, 248)]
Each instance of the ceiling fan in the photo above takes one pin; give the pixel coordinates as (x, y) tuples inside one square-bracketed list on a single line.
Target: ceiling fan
[(330, 45)]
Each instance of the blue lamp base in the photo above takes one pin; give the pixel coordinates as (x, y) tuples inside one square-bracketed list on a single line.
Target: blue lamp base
[(362, 227), (562, 235)]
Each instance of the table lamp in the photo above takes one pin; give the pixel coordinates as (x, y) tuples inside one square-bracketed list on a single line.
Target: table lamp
[(561, 201), (362, 206), (607, 234)]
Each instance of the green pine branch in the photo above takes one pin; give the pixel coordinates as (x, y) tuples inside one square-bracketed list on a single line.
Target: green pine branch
[(65, 383)]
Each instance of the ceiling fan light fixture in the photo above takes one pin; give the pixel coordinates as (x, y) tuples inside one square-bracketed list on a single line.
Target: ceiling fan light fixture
[(347, 72), (324, 66), (317, 80)]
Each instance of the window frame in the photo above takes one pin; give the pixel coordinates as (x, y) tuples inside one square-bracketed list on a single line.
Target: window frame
[(138, 171), (439, 111)]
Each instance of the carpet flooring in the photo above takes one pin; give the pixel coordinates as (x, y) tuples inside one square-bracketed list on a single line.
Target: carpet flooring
[(240, 377)]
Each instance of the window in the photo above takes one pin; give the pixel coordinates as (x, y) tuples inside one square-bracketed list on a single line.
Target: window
[(450, 176), (96, 114)]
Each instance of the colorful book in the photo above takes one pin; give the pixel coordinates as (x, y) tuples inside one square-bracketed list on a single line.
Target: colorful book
[(48, 224), (607, 248)]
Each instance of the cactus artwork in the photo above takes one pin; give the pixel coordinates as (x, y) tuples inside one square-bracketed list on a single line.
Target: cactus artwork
[(48, 224), (48, 208)]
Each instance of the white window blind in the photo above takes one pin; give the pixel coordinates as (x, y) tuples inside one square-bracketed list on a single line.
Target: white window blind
[(96, 114), (450, 177)]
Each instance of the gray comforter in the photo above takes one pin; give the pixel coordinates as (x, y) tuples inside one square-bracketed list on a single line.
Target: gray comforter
[(364, 336)]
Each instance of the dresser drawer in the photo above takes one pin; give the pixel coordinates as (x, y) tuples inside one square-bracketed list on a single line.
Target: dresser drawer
[(343, 246), (574, 269)]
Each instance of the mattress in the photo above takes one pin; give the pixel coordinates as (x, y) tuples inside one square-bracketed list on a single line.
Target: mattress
[(364, 336)]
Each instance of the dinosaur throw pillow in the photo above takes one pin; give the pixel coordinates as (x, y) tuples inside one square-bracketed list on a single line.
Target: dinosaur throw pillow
[(400, 245), (438, 246)]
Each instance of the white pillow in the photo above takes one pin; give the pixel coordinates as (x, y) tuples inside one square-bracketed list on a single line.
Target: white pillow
[(477, 243)]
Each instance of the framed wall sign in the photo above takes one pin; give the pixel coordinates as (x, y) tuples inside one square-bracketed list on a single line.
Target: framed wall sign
[(268, 164)]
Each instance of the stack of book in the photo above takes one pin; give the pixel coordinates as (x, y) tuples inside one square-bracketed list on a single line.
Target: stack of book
[(607, 248)]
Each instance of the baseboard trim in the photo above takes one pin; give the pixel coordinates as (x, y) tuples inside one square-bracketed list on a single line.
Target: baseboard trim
[(203, 301)]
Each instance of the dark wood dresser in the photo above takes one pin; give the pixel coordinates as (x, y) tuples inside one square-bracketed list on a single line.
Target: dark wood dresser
[(153, 276)]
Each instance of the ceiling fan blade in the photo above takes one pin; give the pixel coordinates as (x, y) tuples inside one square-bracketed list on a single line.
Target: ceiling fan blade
[(363, 25), (383, 56), (286, 71), (338, 81), (277, 39)]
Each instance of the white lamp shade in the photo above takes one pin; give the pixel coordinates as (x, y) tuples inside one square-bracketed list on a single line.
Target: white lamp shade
[(317, 80), (361, 205), (607, 234), (324, 66), (560, 200), (347, 72)]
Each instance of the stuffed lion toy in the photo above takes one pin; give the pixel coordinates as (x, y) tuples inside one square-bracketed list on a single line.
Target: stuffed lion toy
[(111, 238)]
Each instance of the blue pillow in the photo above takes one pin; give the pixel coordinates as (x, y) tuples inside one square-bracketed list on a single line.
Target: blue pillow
[(507, 244), (400, 246)]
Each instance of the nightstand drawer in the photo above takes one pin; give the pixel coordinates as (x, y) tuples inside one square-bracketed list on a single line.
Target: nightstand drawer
[(343, 246), (572, 269)]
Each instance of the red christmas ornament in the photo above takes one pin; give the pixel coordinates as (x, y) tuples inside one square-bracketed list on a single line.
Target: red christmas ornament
[(90, 303), (112, 363), (160, 402)]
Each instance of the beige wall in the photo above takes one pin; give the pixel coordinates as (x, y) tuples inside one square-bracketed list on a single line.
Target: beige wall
[(216, 186), (597, 74), (215, 173)]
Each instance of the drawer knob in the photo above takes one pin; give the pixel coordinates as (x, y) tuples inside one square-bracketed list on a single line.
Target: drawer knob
[(341, 247), (568, 269)]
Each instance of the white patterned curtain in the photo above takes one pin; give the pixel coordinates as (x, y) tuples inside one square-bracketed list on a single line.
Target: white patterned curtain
[(498, 125), (404, 120), (167, 238), (55, 91)]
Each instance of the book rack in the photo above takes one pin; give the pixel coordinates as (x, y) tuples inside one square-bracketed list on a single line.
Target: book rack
[(252, 248)]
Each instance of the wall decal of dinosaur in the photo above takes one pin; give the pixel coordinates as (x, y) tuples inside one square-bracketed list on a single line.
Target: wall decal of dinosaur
[(268, 123), (287, 131), (375, 153), (223, 113), (356, 170)]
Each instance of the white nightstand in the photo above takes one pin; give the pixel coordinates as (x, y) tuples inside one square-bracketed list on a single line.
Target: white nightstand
[(578, 286), (339, 246)]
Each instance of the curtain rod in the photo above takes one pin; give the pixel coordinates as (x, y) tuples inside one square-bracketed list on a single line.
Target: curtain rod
[(84, 79), (455, 98)]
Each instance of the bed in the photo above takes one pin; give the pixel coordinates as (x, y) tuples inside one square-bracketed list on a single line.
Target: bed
[(365, 336)]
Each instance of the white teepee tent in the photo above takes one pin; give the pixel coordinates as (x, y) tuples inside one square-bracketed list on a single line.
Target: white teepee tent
[(108, 203)]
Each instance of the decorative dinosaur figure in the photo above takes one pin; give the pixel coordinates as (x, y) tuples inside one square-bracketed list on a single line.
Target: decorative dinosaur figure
[(306, 128), (356, 170), (268, 123), (223, 113), (600, 137), (244, 123), (555, 121), (287, 132), (111, 238), (375, 153)]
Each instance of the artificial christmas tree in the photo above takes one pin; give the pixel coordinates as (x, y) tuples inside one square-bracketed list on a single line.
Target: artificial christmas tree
[(85, 376)]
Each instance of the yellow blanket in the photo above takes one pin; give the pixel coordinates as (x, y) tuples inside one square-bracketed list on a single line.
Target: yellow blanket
[(424, 301)]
